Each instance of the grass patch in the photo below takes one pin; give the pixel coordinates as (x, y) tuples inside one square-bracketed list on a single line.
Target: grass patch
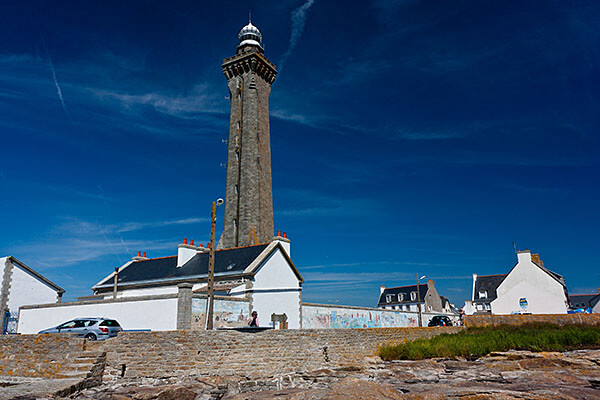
[(480, 341)]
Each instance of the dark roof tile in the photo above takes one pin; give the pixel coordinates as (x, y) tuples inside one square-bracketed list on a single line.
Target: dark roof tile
[(227, 262)]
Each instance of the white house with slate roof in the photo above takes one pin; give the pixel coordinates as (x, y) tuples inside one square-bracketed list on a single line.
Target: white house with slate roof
[(146, 292), (529, 288), (21, 286), (406, 298)]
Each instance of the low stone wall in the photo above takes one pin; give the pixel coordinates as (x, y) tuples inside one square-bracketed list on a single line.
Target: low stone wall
[(42, 356), (254, 355), (558, 319)]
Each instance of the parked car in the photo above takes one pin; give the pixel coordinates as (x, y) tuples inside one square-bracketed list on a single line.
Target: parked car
[(90, 328), (440, 320)]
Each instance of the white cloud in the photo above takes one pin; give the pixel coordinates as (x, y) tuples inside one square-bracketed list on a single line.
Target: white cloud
[(201, 99)]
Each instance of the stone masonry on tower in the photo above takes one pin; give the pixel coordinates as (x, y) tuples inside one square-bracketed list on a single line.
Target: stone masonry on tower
[(249, 197)]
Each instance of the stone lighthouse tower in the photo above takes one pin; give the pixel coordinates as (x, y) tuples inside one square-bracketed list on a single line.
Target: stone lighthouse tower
[(249, 193)]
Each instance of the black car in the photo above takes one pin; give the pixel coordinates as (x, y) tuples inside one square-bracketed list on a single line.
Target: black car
[(440, 320)]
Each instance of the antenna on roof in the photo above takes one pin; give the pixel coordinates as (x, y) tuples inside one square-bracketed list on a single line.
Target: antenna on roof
[(515, 246), (250, 16)]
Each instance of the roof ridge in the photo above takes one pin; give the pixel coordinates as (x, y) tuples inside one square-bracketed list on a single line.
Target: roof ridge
[(242, 247), (157, 258), (398, 287)]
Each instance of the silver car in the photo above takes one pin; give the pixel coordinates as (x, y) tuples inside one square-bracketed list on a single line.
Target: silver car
[(89, 328)]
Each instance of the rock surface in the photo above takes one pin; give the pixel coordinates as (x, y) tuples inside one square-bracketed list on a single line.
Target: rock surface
[(510, 375)]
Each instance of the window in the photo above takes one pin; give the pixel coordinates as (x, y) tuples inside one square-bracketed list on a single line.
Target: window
[(483, 294), (388, 298), (236, 189), (413, 296), (480, 307), (400, 296), (488, 307)]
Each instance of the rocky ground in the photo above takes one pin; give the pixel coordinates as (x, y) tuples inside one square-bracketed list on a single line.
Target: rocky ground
[(510, 375)]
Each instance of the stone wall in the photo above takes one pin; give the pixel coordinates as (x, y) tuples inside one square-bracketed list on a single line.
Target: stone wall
[(559, 319), (43, 356), (254, 355)]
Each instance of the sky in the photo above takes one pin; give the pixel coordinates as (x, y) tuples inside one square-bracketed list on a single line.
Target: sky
[(406, 136)]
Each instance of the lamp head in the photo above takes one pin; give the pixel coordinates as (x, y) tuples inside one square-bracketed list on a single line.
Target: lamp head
[(219, 202)]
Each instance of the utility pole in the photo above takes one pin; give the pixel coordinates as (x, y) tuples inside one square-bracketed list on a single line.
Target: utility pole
[(419, 302), (211, 265)]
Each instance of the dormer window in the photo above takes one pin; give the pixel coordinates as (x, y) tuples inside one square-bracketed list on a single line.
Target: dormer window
[(413, 296), (400, 296), (483, 294), (388, 298)]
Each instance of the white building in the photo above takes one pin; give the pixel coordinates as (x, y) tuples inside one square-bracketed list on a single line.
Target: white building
[(529, 288), (144, 293), (21, 286)]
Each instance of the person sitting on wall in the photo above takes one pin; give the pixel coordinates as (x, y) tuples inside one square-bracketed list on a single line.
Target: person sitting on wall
[(254, 320)]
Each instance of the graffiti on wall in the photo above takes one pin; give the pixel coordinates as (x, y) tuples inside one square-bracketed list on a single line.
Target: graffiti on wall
[(227, 314), (315, 317)]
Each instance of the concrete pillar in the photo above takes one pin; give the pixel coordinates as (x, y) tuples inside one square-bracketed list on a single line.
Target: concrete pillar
[(184, 306)]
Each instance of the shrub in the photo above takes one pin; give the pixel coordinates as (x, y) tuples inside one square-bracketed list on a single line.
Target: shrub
[(479, 341)]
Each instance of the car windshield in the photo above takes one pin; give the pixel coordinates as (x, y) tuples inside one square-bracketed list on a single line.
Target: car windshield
[(69, 324)]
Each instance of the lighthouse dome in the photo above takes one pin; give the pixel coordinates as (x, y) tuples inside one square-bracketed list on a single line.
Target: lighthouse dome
[(250, 35)]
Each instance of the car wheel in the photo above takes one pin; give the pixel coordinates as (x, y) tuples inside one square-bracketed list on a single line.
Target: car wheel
[(90, 336)]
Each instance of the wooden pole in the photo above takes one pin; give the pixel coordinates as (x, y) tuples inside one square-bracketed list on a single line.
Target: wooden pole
[(419, 302), (211, 269)]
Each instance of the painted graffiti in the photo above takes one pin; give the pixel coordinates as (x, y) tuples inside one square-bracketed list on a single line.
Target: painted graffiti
[(227, 314), (314, 317)]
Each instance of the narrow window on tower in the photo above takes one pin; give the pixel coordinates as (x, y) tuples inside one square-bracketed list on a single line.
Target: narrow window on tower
[(238, 125), (235, 223), (236, 189), (237, 156)]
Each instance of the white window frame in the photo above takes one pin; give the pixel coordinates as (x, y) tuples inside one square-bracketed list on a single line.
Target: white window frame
[(483, 294), (413, 296), (388, 298)]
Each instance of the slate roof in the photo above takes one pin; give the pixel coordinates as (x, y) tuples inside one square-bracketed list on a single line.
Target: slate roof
[(588, 300), (406, 290), (158, 270), (489, 283)]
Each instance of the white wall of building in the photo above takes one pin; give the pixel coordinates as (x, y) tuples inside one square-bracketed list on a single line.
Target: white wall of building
[(275, 273), (276, 289), (277, 302), (26, 289), (152, 291), (544, 294), (154, 314)]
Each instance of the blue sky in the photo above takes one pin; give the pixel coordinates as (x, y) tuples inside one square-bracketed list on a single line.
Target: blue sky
[(407, 136)]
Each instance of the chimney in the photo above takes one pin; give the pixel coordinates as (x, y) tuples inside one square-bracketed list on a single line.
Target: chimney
[(430, 288), (381, 289), (139, 257), (285, 242), (185, 252), (524, 256), (536, 259)]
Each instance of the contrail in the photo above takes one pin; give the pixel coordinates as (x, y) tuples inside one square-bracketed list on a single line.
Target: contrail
[(298, 21), (58, 90)]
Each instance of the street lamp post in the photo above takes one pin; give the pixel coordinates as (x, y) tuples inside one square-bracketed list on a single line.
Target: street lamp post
[(211, 265), (419, 300)]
